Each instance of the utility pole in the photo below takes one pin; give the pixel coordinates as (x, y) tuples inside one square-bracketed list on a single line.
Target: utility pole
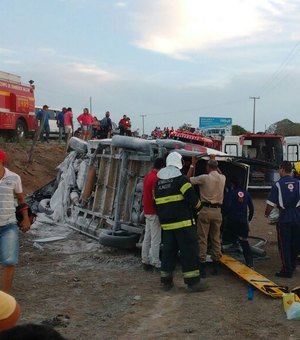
[(143, 118), (254, 100), (91, 105)]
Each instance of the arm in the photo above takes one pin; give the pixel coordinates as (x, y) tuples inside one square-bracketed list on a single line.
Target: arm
[(268, 210), (191, 170), (25, 224), (189, 195), (251, 208), (272, 200)]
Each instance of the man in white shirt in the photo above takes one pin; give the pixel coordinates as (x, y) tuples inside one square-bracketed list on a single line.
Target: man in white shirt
[(10, 187)]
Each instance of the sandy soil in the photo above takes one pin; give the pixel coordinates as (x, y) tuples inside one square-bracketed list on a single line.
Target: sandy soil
[(90, 292)]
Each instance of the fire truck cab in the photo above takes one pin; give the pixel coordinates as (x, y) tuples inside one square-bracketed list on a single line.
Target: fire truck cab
[(17, 116)]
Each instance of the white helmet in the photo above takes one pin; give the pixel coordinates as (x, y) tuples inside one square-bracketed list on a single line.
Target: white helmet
[(174, 159)]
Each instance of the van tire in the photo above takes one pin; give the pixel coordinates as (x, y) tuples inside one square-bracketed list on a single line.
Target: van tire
[(44, 206), (21, 130), (118, 239)]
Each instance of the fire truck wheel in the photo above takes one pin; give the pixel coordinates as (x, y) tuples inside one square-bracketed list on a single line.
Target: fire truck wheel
[(21, 129), (118, 239)]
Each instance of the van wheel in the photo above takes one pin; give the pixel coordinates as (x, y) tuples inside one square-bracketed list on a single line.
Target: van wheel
[(44, 206), (118, 239), (21, 129)]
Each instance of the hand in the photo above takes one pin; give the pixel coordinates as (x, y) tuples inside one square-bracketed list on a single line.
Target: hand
[(25, 225), (194, 160)]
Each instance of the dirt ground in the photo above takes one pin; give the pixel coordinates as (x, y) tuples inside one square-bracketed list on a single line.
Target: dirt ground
[(91, 292)]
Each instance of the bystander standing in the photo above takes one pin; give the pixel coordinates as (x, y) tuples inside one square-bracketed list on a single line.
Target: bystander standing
[(68, 121), (61, 124), (10, 187), (152, 237)]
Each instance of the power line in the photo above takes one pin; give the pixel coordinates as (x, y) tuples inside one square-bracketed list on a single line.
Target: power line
[(280, 70), (254, 100)]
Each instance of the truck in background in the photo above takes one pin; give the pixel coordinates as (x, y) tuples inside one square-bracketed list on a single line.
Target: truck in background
[(17, 115), (264, 153)]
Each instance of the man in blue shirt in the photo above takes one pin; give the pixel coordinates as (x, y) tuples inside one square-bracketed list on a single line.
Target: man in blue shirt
[(235, 210), (43, 116), (61, 123), (285, 194)]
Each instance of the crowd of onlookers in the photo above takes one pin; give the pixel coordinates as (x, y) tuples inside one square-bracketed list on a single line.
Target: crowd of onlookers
[(162, 133), (90, 127)]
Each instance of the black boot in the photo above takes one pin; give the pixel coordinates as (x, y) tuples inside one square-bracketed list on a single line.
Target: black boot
[(202, 270), (215, 268)]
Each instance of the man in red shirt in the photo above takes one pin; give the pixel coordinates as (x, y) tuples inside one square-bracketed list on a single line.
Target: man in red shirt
[(85, 120), (152, 237), (68, 121)]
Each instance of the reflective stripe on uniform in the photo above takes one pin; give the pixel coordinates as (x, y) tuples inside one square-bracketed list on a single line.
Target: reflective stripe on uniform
[(198, 205), (165, 274), (298, 204), (168, 199), (177, 225), (185, 187), (194, 273), (280, 200)]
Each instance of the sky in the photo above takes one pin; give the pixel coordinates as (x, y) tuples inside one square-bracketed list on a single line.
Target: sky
[(161, 62)]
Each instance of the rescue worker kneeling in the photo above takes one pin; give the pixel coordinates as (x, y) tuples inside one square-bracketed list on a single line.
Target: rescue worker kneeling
[(175, 204)]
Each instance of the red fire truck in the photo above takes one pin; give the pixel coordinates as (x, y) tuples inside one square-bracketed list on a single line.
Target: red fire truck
[(17, 116)]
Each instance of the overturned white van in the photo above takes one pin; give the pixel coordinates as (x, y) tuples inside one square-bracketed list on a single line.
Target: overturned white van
[(99, 187)]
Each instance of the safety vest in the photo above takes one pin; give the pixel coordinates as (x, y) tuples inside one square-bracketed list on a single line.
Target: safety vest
[(175, 203)]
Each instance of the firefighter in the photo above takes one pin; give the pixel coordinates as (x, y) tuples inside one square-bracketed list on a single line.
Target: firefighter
[(175, 203), (296, 169)]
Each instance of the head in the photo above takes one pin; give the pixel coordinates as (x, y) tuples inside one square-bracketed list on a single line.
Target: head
[(9, 311), (297, 169), (124, 116), (69, 109), (86, 110), (2, 157), (107, 114), (235, 183), (174, 159), (212, 165), (45, 107), (285, 168), (159, 163), (64, 109)]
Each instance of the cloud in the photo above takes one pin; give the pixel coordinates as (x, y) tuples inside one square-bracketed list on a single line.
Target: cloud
[(98, 74), (179, 28), (5, 51), (121, 4)]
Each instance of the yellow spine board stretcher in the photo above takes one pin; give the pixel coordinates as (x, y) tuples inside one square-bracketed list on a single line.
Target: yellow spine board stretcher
[(254, 278)]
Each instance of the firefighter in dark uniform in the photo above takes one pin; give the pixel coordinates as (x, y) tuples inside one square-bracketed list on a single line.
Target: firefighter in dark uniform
[(175, 204), (285, 194)]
